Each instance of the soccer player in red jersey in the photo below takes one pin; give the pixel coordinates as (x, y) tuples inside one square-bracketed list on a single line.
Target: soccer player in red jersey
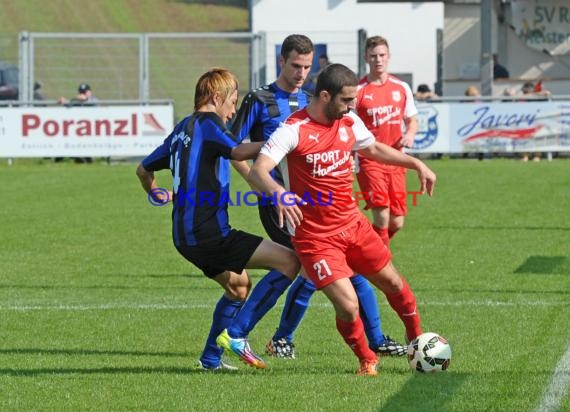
[(385, 104), (261, 112), (332, 238)]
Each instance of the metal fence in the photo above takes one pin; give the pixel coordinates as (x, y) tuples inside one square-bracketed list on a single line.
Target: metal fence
[(136, 66)]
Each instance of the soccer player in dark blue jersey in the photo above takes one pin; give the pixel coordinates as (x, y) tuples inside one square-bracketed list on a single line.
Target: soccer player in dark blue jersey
[(197, 153), (260, 113)]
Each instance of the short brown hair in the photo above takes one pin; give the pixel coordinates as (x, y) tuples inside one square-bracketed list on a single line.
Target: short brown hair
[(297, 42), (216, 80), (374, 41)]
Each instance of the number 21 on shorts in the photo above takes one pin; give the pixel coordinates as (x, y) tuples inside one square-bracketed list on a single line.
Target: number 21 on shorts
[(322, 269)]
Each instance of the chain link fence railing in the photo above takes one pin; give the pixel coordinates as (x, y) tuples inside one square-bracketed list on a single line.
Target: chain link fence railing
[(141, 66)]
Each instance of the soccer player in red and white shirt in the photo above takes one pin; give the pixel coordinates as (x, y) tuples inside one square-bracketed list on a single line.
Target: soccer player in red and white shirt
[(332, 238), (386, 105)]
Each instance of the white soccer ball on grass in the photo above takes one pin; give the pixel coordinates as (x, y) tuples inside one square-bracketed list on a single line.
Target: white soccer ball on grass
[(429, 353)]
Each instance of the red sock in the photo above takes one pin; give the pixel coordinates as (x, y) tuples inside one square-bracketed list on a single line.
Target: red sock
[(353, 335), (404, 304), (391, 233), (383, 232)]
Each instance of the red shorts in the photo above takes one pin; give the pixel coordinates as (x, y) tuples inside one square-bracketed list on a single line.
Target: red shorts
[(384, 190), (357, 249)]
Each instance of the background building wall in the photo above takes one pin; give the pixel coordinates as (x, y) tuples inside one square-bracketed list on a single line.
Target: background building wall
[(336, 22), (411, 30)]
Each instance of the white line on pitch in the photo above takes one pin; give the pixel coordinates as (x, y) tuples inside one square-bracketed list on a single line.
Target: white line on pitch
[(204, 305), (558, 385)]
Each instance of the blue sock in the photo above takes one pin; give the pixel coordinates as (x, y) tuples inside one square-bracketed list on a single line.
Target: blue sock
[(225, 311), (262, 298), (296, 305), (369, 311)]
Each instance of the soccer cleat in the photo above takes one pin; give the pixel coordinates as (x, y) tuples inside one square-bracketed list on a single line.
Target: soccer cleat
[(222, 366), (368, 368), (241, 348), (280, 348), (389, 347)]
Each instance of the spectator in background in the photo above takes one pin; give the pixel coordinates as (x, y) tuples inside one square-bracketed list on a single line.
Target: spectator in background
[(530, 89), (312, 79), (472, 91), (499, 71), (37, 93), (509, 92), (424, 93), (84, 97)]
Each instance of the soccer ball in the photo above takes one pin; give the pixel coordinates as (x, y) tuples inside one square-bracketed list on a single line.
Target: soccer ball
[(429, 353)]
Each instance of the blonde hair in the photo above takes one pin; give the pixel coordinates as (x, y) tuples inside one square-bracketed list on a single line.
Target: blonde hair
[(216, 80)]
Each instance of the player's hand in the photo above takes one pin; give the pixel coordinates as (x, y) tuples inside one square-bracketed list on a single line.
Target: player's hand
[(427, 179), (406, 142), (288, 209), (161, 196), (352, 164)]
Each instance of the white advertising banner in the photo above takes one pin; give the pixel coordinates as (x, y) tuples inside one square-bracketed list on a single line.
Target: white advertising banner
[(137, 130), (510, 127), (493, 127), (83, 131)]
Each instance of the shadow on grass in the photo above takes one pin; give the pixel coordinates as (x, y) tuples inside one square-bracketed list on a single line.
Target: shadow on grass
[(67, 352), (545, 265), (423, 392)]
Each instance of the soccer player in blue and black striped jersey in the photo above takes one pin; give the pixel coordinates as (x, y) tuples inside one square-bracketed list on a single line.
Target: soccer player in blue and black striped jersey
[(260, 113), (197, 153)]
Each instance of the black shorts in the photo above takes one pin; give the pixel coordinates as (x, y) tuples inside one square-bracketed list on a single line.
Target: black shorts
[(232, 253), (270, 222)]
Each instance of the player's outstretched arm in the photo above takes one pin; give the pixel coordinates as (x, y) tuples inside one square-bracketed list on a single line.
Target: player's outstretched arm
[(386, 154), (246, 151), (243, 168), (260, 177)]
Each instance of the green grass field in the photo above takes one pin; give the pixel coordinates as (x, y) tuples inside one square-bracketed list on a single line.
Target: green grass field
[(99, 312)]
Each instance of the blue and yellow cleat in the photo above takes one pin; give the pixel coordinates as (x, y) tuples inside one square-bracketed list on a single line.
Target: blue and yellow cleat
[(240, 346)]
